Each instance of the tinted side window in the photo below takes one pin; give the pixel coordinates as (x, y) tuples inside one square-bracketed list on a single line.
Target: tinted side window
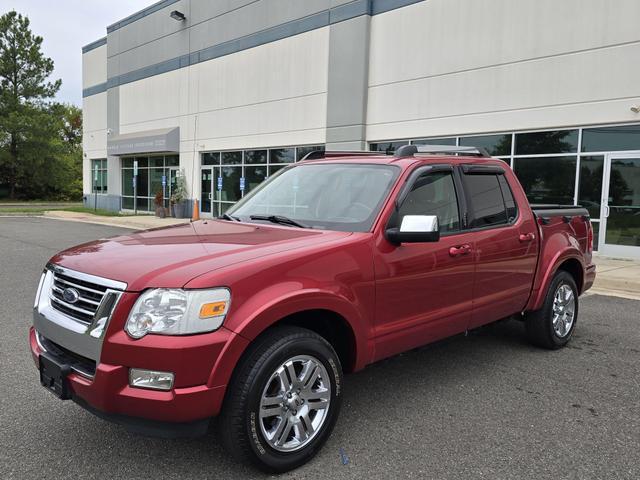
[(485, 198), (434, 194)]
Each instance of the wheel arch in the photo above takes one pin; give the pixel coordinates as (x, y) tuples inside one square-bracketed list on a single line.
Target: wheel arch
[(574, 268), (330, 316), (568, 260), (331, 326)]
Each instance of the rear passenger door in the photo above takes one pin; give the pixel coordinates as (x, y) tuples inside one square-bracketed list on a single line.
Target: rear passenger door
[(506, 248)]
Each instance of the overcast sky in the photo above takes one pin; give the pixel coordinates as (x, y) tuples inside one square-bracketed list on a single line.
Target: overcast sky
[(66, 26)]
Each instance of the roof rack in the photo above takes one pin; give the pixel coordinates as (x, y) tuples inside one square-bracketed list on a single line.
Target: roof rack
[(411, 150), (320, 154)]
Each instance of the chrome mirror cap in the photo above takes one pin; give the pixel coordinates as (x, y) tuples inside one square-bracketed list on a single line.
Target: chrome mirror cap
[(419, 223)]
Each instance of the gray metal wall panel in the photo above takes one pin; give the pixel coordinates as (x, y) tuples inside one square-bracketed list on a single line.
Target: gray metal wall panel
[(202, 10), (103, 202), (113, 68), (277, 33), (348, 75), (166, 48), (140, 15), (95, 44), (252, 18), (113, 125), (267, 20), (149, 28), (350, 10), (94, 89), (337, 3), (381, 6)]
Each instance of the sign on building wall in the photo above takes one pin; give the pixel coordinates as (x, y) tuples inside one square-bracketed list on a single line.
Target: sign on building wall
[(149, 141)]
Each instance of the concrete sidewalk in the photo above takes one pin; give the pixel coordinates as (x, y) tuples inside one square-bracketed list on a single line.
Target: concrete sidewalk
[(617, 276), (136, 222)]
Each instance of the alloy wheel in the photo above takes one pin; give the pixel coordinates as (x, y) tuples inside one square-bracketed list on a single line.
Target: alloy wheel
[(564, 307), (295, 403)]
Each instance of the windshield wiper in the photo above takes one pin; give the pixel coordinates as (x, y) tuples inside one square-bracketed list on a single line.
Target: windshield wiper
[(226, 216), (279, 219)]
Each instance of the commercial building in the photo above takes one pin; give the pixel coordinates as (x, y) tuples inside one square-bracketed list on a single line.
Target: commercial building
[(224, 93)]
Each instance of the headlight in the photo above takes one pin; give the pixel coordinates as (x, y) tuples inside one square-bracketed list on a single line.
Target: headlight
[(178, 312)]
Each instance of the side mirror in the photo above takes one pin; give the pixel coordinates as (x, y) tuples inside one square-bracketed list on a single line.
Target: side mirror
[(415, 229)]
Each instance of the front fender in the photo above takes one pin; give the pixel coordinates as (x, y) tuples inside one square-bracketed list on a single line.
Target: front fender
[(558, 248), (274, 303)]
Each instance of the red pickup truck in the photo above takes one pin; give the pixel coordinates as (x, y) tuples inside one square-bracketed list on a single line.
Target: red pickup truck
[(333, 263)]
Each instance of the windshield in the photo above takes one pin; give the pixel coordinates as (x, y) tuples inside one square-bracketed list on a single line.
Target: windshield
[(343, 197)]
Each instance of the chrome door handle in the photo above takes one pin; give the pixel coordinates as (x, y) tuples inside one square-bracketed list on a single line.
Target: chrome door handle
[(607, 211)]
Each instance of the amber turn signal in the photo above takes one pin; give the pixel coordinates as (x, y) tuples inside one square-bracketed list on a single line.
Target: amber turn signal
[(208, 310)]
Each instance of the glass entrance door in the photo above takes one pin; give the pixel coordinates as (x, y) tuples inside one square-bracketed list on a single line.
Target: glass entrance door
[(210, 191), (206, 189), (173, 174), (620, 214)]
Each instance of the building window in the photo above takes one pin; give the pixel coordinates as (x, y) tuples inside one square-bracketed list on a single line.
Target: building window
[(302, 152), (282, 155), (99, 176), (590, 190), (435, 141), (611, 139), (255, 157), (496, 145), (547, 179), (537, 143), (227, 176), (387, 147), (152, 170)]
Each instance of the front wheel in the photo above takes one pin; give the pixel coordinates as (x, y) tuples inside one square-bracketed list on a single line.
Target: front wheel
[(283, 400), (552, 326)]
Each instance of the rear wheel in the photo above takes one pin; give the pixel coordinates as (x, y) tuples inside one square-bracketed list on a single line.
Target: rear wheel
[(552, 326), (283, 401)]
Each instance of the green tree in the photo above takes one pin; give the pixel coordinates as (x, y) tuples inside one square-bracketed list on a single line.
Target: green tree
[(27, 129)]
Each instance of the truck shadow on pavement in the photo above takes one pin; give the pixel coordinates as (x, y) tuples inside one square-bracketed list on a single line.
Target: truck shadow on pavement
[(413, 377), (471, 394)]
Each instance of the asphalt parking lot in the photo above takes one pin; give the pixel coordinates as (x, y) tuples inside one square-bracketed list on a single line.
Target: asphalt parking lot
[(483, 406)]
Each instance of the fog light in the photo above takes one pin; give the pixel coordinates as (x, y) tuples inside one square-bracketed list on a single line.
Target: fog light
[(150, 379)]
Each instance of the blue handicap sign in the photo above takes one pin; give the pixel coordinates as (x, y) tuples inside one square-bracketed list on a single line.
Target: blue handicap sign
[(219, 183), (242, 183), (164, 180)]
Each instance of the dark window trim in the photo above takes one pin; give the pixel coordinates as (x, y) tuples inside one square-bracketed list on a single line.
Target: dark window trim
[(482, 169), (470, 211)]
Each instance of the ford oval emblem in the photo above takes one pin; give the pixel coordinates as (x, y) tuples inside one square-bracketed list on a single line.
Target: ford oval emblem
[(70, 295)]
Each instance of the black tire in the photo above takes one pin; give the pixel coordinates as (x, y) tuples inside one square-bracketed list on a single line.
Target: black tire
[(539, 323), (238, 427)]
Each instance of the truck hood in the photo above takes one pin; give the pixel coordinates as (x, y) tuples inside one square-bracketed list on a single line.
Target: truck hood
[(170, 257)]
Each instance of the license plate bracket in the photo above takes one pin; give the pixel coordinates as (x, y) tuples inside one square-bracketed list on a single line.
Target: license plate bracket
[(53, 376)]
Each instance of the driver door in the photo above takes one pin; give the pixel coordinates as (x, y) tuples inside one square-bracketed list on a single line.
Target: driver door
[(424, 291)]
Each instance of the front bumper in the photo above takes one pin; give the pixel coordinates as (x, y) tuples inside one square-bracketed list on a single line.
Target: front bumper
[(184, 410)]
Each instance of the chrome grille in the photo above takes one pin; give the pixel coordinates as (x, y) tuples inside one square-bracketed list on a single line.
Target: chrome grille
[(89, 297)]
